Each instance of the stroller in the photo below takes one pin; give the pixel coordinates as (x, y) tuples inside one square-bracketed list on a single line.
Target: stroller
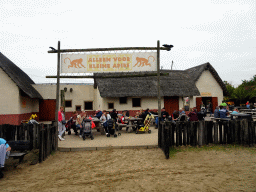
[(111, 128), (71, 125), (145, 127), (87, 129)]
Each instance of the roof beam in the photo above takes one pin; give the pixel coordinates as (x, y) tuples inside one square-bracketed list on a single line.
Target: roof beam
[(108, 49), (110, 76)]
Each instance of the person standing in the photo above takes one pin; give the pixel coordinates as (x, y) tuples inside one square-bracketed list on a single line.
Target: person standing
[(216, 112), (210, 108), (4, 150), (247, 105), (113, 115), (61, 123)]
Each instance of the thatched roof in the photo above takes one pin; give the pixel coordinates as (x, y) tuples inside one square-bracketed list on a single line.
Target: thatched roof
[(195, 73), (137, 84), (22, 80)]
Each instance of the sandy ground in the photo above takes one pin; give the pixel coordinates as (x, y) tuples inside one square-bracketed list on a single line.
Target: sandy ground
[(135, 170)]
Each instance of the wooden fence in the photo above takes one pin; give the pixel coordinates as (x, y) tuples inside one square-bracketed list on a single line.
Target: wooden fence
[(26, 137), (238, 131)]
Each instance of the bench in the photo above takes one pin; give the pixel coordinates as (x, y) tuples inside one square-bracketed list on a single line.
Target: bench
[(17, 155), (18, 149)]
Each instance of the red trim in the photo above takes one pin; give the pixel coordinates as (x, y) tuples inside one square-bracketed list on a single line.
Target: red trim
[(15, 119)]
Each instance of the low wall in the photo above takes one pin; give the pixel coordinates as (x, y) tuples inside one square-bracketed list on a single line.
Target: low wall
[(15, 119)]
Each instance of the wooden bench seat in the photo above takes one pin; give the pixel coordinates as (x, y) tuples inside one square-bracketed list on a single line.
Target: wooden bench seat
[(17, 155)]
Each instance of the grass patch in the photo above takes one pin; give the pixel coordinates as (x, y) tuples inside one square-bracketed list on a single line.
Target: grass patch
[(225, 148)]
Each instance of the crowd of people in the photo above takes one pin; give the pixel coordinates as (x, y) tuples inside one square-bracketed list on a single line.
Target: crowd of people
[(76, 121)]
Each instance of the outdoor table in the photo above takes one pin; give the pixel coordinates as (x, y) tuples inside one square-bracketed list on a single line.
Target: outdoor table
[(98, 125), (131, 123)]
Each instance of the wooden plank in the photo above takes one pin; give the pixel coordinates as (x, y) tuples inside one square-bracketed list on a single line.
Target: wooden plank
[(1, 131), (109, 49), (216, 135), (200, 133), (177, 134), (41, 144), (185, 132), (224, 132), (220, 132), (253, 133)]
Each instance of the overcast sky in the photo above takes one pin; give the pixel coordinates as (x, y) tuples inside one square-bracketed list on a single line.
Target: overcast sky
[(221, 32)]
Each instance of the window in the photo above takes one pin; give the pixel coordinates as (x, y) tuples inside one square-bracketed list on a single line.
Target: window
[(68, 103), (78, 107), (88, 105), (123, 100), (135, 102), (111, 105)]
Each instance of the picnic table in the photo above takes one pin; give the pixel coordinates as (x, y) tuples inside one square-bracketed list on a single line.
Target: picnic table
[(99, 126), (132, 124)]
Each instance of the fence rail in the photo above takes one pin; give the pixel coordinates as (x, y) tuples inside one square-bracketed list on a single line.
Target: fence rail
[(238, 131), (30, 136)]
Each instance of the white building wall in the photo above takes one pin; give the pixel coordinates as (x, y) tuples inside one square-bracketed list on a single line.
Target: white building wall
[(9, 95), (28, 105), (207, 83), (146, 102), (80, 94)]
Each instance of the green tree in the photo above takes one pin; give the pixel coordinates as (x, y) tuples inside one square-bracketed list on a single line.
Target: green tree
[(240, 93)]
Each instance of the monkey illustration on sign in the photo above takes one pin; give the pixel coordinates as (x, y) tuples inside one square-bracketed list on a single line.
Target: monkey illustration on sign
[(75, 63), (141, 62)]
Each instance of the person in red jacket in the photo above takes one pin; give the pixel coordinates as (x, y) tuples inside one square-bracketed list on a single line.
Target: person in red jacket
[(193, 115), (61, 123)]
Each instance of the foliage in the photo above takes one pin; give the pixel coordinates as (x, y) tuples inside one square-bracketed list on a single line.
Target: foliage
[(245, 91), (241, 93), (251, 82)]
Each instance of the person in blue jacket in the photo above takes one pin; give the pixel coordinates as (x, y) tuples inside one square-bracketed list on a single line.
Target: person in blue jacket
[(4, 148)]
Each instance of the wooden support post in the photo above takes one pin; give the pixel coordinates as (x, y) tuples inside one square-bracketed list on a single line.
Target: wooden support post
[(57, 95), (158, 86)]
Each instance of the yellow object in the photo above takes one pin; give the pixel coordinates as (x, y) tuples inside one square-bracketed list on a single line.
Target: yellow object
[(147, 122), (33, 116)]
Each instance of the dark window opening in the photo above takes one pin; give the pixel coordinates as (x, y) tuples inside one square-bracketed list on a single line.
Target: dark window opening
[(136, 102), (123, 100), (111, 105), (78, 108), (88, 105), (68, 103)]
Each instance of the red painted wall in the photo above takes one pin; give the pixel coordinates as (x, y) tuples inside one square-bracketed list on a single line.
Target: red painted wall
[(15, 119)]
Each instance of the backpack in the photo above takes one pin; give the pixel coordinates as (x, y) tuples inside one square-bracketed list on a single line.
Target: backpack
[(87, 125)]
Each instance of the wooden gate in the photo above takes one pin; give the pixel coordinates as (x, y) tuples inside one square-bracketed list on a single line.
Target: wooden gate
[(171, 104)]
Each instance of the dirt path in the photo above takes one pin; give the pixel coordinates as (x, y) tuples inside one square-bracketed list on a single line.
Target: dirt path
[(136, 170)]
